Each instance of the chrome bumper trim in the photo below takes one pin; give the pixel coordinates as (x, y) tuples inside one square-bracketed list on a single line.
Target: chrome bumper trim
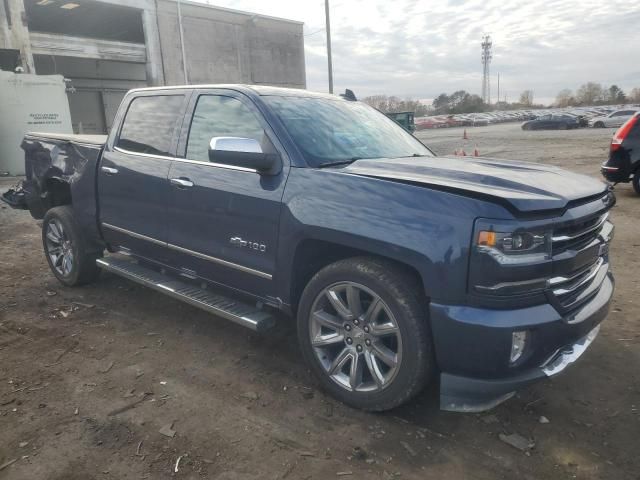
[(568, 355)]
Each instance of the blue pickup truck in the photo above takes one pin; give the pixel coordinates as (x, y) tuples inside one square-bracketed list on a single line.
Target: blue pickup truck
[(403, 269)]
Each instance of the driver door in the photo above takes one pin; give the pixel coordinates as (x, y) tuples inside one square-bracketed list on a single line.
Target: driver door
[(223, 220)]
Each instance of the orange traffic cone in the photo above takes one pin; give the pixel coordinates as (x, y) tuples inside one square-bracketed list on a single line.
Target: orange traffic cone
[(476, 153), (464, 137)]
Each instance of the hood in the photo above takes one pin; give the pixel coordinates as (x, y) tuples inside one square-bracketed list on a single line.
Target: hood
[(523, 186)]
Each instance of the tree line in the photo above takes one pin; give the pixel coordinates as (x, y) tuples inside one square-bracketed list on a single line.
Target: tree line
[(396, 105), (592, 93), (461, 101)]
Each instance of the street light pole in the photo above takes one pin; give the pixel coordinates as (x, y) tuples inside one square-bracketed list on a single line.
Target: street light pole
[(326, 11)]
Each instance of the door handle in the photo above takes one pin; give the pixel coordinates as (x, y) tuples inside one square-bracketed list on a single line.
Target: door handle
[(109, 170), (181, 182)]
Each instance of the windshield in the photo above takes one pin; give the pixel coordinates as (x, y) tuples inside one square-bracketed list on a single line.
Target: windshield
[(331, 131)]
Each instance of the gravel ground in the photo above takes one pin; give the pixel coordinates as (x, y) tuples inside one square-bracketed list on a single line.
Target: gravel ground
[(89, 377)]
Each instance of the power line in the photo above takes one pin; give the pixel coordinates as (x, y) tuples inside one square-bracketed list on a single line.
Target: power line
[(317, 31)]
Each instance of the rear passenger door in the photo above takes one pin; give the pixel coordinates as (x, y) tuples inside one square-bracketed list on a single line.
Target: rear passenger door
[(224, 220), (133, 185)]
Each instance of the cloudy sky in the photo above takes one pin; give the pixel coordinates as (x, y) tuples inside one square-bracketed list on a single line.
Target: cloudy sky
[(419, 49)]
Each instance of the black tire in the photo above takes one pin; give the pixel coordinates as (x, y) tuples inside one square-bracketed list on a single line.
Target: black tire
[(402, 294), (636, 181), (526, 127), (598, 125), (82, 269)]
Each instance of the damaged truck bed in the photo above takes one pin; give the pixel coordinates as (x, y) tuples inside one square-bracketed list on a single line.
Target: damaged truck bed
[(54, 169)]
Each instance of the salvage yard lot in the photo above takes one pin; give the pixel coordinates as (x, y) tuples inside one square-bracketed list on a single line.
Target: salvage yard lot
[(90, 376)]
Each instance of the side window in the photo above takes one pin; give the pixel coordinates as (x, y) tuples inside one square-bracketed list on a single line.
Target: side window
[(219, 116), (149, 124), (635, 131)]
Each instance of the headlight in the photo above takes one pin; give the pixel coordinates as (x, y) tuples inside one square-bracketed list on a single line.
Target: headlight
[(514, 247), (509, 259)]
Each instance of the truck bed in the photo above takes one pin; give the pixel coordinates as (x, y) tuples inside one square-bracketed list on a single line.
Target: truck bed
[(97, 140), (60, 168)]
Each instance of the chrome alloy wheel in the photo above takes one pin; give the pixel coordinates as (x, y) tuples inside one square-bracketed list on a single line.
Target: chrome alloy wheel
[(355, 337), (59, 248)]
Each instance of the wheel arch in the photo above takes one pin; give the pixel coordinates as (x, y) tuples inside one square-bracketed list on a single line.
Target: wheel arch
[(58, 191), (313, 254), (53, 191)]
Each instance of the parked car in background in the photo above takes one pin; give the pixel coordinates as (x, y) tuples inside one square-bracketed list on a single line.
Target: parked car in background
[(624, 155), (614, 119), (583, 120), (404, 119), (552, 122)]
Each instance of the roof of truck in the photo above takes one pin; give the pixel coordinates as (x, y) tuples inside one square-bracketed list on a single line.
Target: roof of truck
[(262, 90)]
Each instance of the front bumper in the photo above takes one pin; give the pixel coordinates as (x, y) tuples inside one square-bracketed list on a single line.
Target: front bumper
[(473, 345)]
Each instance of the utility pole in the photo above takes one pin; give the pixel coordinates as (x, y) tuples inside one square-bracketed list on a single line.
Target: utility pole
[(486, 60), (184, 57), (326, 13)]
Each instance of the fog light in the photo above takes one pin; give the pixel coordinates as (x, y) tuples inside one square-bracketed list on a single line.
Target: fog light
[(518, 342)]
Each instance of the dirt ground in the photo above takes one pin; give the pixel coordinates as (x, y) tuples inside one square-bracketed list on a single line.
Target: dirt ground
[(89, 376)]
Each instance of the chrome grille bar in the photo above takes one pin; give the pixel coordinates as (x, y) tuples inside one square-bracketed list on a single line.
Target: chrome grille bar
[(593, 228), (587, 274)]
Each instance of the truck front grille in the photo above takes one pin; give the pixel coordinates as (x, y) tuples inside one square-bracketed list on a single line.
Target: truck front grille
[(577, 235), (574, 289), (581, 260)]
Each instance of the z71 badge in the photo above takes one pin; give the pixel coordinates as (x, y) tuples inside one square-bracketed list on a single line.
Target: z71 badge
[(240, 243)]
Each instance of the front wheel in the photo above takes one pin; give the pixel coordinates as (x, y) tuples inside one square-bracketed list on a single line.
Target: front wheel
[(636, 181), (598, 125), (363, 329), (71, 260)]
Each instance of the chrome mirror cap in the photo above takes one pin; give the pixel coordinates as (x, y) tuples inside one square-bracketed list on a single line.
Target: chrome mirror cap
[(235, 144)]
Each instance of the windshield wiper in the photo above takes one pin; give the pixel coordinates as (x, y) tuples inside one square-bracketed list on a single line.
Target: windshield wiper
[(340, 162)]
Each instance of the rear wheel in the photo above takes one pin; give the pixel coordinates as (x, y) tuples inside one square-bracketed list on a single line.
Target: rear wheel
[(71, 260), (363, 330), (636, 181), (598, 125)]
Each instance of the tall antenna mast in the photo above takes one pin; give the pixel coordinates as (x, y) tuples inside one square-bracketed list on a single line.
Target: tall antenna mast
[(486, 60)]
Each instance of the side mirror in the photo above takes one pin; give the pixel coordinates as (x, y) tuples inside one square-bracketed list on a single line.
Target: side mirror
[(243, 152)]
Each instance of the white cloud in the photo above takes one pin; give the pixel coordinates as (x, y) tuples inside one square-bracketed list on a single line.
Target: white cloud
[(422, 48)]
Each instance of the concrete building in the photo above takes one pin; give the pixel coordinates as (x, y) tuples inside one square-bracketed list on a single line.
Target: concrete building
[(106, 47)]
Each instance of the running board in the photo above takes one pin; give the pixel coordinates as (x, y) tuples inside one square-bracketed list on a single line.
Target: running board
[(238, 312)]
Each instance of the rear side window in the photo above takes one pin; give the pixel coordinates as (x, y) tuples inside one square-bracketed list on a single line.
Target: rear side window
[(150, 124), (634, 134), (220, 116)]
